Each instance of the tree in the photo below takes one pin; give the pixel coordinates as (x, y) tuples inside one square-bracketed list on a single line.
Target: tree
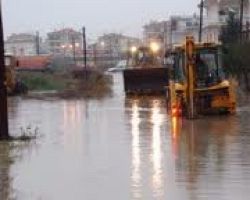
[(235, 51), (230, 33)]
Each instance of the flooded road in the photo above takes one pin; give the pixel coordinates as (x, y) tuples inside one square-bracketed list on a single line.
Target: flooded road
[(120, 149)]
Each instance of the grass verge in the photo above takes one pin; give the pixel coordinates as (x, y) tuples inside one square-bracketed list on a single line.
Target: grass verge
[(78, 84)]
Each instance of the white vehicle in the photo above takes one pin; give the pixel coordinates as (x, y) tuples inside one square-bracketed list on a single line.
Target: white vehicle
[(121, 65)]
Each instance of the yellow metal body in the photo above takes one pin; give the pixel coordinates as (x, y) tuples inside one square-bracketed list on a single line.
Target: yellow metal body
[(195, 100), (189, 51), (10, 74)]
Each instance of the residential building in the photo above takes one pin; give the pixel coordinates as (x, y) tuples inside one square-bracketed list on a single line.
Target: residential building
[(171, 32), (182, 26), (65, 41), (155, 32), (22, 44), (216, 15), (116, 44)]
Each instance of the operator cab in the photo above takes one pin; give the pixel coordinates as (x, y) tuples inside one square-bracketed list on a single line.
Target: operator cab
[(208, 70)]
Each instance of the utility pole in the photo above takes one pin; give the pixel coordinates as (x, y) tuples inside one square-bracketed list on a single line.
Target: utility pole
[(84, 46), (74, 49), (95, 54), (4, 131), (201, 6), (37, 43), (128, 52), (241, 18), (171, 34), (164, 40)]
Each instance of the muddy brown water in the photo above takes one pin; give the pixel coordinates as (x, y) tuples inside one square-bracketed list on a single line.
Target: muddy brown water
[(125, 148)]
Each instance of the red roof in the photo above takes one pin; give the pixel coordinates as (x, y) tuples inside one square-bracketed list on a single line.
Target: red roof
[(34, 62)]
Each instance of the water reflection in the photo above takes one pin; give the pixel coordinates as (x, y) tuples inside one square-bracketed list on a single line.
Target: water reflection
[(176, 127), (128, 152), (156, 120), (136, 159), (201, 150), (146, 123), (74, 113)]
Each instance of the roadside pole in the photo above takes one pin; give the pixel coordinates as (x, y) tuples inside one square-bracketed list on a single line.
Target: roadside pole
[(95, 54), (84, 48), (164, 42), (241, 19), (4, 131), (201, 20), (74, 49), (171, 34), (37, 43)]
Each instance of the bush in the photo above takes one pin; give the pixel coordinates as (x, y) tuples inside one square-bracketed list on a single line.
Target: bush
[(70, 84), (41, 81)]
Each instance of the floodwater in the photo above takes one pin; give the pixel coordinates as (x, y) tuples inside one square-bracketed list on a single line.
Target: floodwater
[(121, 149)]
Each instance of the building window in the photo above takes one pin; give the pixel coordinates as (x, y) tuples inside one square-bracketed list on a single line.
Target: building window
[(13, 50), (22, 53), (189, 24)]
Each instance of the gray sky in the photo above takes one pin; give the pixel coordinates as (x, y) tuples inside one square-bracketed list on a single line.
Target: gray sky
[(99, 16)]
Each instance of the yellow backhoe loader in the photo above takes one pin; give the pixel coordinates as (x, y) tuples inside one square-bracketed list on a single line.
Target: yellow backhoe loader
[(145, 73), (14, 86), (197, 82)]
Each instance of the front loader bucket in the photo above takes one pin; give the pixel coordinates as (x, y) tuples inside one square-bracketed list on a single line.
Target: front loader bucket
[(145, 80)]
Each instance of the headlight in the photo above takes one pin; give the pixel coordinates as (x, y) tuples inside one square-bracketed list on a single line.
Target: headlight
[(154, 47), (133, 49)]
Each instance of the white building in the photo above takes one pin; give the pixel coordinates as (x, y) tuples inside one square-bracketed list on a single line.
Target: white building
[(217, 13), (117, 44), (155, 31), (21, 44), (182, 26), (64, 41), (171, 32)]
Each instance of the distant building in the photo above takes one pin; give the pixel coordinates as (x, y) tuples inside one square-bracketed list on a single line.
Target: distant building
[(64, 41), (182, 26), (217, 10), (22, 44), (116, 44), (171, 32), (216, 15), (155, 32)]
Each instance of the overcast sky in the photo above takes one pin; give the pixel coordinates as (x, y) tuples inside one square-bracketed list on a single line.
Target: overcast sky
[(99, 16)]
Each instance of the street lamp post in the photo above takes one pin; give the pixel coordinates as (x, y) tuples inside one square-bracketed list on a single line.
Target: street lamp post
[(165, 39), (64, 57), (74, 49), (201, 6), (171, 34), (37, 43), (4, 131), (241, 18), (95, 55), (84, 48)]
